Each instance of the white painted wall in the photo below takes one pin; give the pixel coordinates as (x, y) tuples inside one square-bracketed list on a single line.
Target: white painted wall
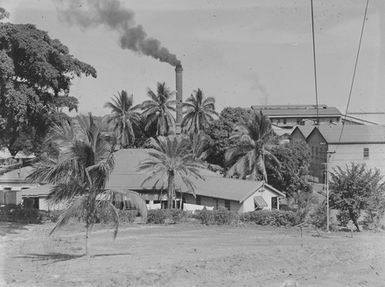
[(248, 204), (44, 204), (345, 154)]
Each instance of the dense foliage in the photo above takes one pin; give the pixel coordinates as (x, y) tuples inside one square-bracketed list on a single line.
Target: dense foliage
[(161, 216), (17, 213), (356, 189), (290, 177), (35, 77), (271, 217), (248, 156), (221, 129)]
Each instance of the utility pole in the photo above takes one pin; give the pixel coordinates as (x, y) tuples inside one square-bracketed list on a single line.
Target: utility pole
[(328, 154)]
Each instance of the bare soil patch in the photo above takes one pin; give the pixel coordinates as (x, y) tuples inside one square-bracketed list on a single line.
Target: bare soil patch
[(191, 255)]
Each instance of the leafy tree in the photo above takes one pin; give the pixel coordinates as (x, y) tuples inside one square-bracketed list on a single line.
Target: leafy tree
[(221, 129), (353, 188), (294, 159), (199, 112), (80, 172), (171, 160), (124, 118), (158, 110), (35, 77), (247, 157)]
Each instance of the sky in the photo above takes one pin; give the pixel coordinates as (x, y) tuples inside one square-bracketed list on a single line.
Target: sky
[(242, 53)]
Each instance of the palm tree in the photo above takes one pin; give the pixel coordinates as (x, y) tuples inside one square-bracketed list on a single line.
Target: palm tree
[(80, 172), (247, 157), (124, 118), (170, 161), (158, 110), (199, 112), (199, 145)]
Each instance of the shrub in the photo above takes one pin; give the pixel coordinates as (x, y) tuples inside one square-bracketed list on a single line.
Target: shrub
[(219, 217), (105, 216), (270, 217), (156, 216), (160, 216), (16, 213), (318, 216)]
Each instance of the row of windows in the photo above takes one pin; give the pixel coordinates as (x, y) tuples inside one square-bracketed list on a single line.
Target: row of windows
[(315, 151)]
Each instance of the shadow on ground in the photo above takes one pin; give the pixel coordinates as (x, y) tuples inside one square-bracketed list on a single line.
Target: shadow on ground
[(60, 257), (11, 228)]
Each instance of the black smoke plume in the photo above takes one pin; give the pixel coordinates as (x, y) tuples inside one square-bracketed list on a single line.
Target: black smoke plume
[(111, 13)]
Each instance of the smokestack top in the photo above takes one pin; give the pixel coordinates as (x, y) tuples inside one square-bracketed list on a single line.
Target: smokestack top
[(178, 68)]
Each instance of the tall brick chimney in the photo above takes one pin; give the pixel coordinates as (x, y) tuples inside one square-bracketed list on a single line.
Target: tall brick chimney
[(179, 98)]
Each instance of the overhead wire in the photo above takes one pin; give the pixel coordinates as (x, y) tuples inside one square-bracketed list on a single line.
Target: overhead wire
[(355, 69), (314, 59)]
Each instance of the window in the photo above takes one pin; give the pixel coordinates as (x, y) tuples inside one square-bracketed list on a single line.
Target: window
[(284, 121), (227, 204), (366, 152), (274, 202)]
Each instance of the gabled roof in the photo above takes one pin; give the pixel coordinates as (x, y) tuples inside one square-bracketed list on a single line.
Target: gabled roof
[(304, 130), (126, 176), (352, 134), (297, 110)]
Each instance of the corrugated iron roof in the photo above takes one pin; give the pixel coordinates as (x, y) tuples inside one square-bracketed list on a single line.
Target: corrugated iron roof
[(297, 111), (353, 134), (126, 176)]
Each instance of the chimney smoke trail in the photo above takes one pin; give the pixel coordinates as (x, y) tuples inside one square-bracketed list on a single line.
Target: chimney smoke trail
[(110, 13)]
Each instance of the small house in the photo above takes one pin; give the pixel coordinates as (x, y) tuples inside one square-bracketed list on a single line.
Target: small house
[(215, 191)]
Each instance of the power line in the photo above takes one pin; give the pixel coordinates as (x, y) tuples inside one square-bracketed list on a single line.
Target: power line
[(314, 59), (355, 68)]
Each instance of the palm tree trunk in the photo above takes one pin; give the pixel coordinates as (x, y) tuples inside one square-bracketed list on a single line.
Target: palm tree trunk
[(171, 186)]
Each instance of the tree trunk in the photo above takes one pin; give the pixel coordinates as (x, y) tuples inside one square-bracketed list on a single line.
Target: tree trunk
[(354, 219), (171, 187)]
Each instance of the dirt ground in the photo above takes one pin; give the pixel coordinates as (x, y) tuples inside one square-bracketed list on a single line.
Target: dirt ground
[(189, 255)]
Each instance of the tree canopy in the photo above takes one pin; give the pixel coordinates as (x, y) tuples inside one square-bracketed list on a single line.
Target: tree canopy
[(35, 78), (290, 177), (354, 188)]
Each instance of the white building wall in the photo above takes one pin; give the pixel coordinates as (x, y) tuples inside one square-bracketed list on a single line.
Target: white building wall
[(248, 204), (44, 204), (347, 153)]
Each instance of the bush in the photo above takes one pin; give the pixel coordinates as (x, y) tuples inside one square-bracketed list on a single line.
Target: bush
[(16, 213), (156, 216), (160, 216), (273, 217), (318, 216), (125, 216), (219, 217)]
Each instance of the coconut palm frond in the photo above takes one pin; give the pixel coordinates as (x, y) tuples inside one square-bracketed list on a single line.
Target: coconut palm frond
[(107, 205), (76, 209), (66, 191), (130, 199)]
